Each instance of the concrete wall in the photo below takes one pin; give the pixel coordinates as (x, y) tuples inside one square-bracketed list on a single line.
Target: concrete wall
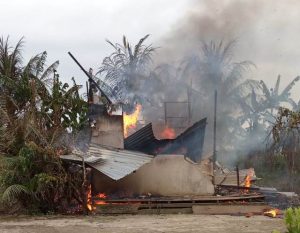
[(166, 175), (108, 131)]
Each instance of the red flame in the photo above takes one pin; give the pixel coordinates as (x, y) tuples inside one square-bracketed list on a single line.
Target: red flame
[(168, 133)]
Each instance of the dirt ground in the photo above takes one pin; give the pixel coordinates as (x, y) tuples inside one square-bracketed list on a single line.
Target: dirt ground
[(140, 223)]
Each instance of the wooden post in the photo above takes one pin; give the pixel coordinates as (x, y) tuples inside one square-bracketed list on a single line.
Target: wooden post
[(84, 189), (238, 176), (165, 105), (189, 106), (215, 137)]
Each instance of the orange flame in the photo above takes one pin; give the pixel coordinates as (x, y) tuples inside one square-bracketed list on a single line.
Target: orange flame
[(168, 133), (89, 198), (250, 174), (96, 202), (272, 213), (101, 195), (247, 181), (130, 120)]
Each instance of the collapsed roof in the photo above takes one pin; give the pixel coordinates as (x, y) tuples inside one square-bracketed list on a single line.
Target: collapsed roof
[(112, 162), (190, 142)]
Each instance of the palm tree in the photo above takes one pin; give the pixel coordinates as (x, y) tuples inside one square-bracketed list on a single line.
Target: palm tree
[(10, 69), (214, 69), (126, 67)]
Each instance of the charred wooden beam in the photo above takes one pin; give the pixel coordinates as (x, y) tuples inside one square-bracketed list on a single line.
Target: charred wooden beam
[(237, 175), (90, 78), (204, 199), (238, 187)]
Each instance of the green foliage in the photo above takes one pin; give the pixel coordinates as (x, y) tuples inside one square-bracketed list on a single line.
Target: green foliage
[(36, 178), (36, 110), (15, 192), (292, 220)]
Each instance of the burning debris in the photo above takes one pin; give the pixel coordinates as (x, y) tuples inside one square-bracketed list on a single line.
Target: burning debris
[(248, 178), (272, 213)]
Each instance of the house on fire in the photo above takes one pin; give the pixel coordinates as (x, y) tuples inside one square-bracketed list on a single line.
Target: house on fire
[(141, 164)]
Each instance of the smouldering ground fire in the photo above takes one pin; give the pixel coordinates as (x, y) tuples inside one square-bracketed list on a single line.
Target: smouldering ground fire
[(272, 213)]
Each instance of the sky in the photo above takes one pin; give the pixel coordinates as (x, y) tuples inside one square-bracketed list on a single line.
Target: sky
[(59, 26), (267, 32)]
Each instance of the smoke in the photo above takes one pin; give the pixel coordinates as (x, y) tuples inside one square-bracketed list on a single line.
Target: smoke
[(211, 20), (207, 21), (254, 26)]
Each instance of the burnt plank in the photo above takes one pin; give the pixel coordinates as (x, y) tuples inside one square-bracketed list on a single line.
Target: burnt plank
[(195, 199), (232, 209)]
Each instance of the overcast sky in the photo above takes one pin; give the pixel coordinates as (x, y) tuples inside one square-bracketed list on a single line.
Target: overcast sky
[(59, 26), (268, 32)]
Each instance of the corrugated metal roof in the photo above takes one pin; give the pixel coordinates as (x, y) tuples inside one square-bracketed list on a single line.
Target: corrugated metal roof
[(140, 138), (192, 139), (115, 163)]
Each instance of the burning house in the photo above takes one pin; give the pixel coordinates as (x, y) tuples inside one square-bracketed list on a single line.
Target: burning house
[(141, 164), (146, 172)]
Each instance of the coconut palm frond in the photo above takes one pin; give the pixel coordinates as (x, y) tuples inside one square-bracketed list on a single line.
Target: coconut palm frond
[(294, 104), (236, 72), (16, 55), (285, 92), (10, 58), (14, 192), (125, 42), (114, 46), (265, 89), (226, 52), (245, 87), (276, 89), (139, 46), (122, 69)]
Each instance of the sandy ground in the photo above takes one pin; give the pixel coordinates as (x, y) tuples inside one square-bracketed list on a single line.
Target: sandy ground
[(140, 223)]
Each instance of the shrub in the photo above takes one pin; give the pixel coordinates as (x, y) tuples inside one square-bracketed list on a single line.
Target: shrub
[(292, 220)]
